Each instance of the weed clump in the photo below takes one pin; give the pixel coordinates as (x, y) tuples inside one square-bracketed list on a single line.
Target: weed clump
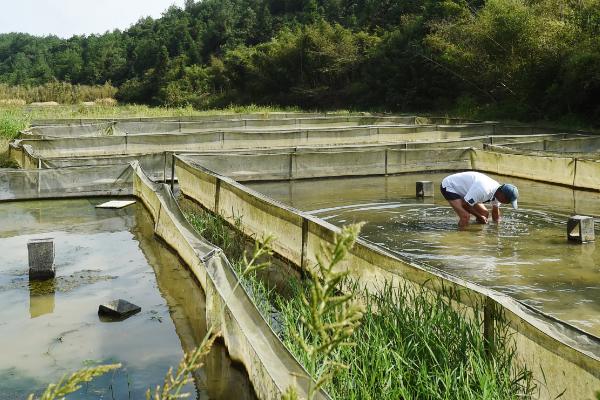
[(413, 345), (12, 121)]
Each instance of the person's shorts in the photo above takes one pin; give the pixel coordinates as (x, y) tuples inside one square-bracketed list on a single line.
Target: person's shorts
[(449, 195)]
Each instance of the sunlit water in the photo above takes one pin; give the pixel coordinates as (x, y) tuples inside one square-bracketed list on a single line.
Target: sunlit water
[(526, 255), (52, 328)]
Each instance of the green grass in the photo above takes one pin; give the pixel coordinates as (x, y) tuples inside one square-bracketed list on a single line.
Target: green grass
[(128, 111), (233, 243), (408, 346), (15, 118), (11, 122), (216, 230)]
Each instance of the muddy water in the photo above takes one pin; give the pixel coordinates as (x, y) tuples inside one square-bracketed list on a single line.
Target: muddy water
[(52, 328), (526, 255)]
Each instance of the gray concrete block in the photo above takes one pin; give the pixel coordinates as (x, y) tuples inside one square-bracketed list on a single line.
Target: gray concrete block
[(580, 228), (118, 310), (41, 258), (424, 189)]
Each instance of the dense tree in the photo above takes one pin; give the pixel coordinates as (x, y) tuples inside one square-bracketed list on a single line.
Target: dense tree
[(525, 58)]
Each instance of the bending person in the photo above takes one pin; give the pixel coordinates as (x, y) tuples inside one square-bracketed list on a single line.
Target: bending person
[(467, 191)]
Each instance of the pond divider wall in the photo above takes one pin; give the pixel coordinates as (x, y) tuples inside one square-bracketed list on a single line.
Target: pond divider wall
[(32, 154), (561, 357), (106, 180), (125, 127), (232, 139), (321, 163), (249, 339), (568, 171), (408, 119), (197, 118)]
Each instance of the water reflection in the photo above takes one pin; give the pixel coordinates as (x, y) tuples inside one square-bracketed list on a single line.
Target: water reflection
[(100, 255), (219, 378), (41, 297)]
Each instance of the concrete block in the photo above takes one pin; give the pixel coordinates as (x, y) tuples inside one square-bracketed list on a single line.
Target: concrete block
[(41, 258), (580, 228), (118, 310), (424, 189)]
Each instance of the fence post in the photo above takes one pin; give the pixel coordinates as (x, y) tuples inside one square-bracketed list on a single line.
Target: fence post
[(172, 172), (303, 256), (217, 195), (489, 325)]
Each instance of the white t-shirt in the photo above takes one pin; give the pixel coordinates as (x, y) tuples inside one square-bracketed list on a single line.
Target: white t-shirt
[(473, 187)]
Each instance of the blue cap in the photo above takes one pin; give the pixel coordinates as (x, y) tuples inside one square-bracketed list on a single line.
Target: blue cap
[(511, 193)]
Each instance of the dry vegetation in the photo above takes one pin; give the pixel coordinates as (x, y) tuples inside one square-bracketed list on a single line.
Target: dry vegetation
[(59, 92)]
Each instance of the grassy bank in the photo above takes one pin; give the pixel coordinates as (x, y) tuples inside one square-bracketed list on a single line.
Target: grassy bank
[(14, 118), (127, 111), (233, 243), (415, 347), (12, 121), (408, 345)]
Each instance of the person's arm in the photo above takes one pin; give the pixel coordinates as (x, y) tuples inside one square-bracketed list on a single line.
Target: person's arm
[(496, 213), (473, 203), (478, 210)]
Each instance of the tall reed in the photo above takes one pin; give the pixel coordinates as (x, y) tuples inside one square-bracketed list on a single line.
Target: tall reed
[(60, 92), (411, 345)]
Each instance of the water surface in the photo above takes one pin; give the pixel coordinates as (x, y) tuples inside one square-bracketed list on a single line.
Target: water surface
[(526, 255), (52, 328)]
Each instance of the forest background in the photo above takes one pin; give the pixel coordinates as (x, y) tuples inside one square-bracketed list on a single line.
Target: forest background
[(512, 59)]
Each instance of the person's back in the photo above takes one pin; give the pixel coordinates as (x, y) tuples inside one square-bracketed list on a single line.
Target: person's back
[(474, 187), (467, 191)]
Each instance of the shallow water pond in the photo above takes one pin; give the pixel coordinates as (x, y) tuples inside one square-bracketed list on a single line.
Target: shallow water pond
[(526, 255), (51, 328)]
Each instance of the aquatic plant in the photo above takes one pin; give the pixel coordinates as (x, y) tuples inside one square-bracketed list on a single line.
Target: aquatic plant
[(333, 315), (262, 247), (290, 394), (246, 267), (173, 384), (73, 382), (170, 390), (217, 231)]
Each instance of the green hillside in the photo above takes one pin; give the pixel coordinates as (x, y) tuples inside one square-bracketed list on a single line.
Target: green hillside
[(523, 59)]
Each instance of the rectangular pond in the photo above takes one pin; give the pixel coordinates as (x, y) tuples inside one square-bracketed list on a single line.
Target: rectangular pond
[(51, 328), (526, 255)]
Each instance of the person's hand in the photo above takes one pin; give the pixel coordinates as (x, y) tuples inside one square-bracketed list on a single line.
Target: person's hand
[(482, 220)]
